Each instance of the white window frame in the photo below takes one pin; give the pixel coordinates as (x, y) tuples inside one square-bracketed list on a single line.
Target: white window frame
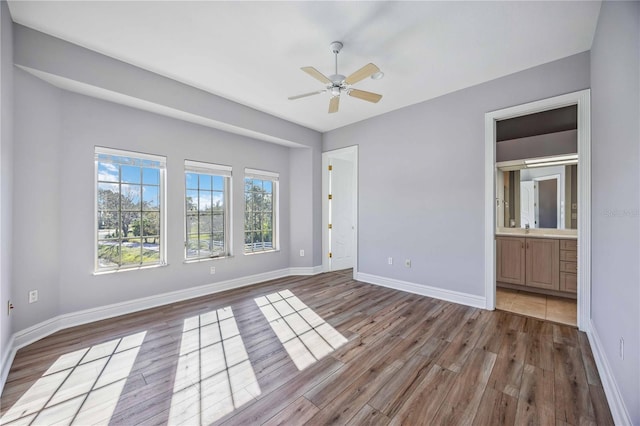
[(210, 169), (274, 177), (162, 167)]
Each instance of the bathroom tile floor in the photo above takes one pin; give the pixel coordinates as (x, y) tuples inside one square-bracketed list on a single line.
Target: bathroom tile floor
[(551, 308)]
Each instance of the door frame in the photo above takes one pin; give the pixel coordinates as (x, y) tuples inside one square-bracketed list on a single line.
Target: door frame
[(350, 152), (558, 197), (582, 99)]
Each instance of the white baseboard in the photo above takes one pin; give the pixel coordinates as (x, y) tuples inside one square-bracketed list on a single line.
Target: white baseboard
[(618, 409), (306, 270), (424, 290), (7, 360), (38, 331)]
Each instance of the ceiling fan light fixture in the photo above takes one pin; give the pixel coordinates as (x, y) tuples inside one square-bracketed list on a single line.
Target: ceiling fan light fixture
[(337, 84)]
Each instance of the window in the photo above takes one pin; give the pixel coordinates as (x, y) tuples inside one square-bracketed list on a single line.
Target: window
[(207, 209), (130, 209), (261, 211)]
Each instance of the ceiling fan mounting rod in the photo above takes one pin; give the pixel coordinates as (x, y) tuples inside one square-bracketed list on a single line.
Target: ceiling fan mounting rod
[(336, 47)]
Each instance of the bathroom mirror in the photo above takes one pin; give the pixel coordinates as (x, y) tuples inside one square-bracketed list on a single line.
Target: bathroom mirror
[(537, 194)]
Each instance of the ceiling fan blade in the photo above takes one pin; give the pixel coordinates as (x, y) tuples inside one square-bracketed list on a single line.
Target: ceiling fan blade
[(304, 95), (365, 96), (361, 74), (316, 74), (333, 104)]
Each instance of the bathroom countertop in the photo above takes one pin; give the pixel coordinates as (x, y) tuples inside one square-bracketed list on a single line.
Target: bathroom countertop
[(560, 234)]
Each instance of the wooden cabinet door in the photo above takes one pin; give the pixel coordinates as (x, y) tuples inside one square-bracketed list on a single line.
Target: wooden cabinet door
[(543, 263), (568, 282), (510, 260)]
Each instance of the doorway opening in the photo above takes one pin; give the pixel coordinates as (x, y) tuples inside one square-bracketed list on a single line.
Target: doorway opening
[(573, 258), (340, 209)]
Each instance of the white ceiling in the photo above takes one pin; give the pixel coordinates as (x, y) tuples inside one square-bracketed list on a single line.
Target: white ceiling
[(251, 52)]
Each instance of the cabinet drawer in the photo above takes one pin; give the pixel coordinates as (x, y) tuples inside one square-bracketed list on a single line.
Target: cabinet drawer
[(569, 267), (568, 282), (568, 245), (569, 256)]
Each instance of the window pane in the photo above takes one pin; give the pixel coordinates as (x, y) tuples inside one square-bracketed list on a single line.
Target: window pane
[(108, 253), (218, 183), (218, 243), (205, 181), (130, 199), (132, 252), (218, 223), (192, 180), (205, 223), (217, 201), (108, 172), (267, 221), (248, 185), (130, 221), (267, 186), (108, 196), (192, 223), (151, 253), (267, 204), (150, 176), (150, 197), (204, 203), (130, 174), (192, 200), (151, 223), (192, 246)]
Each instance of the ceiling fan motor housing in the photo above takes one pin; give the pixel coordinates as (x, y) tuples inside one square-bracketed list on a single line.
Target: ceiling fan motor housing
[(337, 79)]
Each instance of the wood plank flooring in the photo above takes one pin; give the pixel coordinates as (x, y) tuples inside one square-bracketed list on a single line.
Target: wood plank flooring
[(309, 350)]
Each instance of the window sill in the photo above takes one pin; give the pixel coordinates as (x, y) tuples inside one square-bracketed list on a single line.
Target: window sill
[(262, 252), (136, 268), (206, 259)]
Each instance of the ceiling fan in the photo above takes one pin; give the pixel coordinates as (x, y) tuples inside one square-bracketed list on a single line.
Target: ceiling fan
[(338, 84)]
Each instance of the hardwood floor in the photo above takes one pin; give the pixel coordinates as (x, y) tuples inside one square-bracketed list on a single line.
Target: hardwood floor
[(317, 350)]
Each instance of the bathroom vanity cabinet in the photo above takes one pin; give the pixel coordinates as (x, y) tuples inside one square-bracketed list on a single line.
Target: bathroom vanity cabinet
[(537, 263)]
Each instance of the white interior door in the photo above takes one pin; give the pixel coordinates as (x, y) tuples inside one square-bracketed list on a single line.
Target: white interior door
[(527, 204), (342, 214), (340, 209)]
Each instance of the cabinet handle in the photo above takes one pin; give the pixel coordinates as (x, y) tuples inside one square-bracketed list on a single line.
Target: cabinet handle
[(527, 245), (522, 245)]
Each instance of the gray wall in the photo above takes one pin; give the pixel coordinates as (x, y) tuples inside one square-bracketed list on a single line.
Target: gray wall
[(615, 97), (56, 132), (6, 171), (421, 191), (36, 199), (60, 149)]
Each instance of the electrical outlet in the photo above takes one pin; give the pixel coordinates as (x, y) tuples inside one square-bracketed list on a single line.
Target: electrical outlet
[(212, 270), (407, 263), (301, 253), (390, 261), (33, 296), (622, 348)]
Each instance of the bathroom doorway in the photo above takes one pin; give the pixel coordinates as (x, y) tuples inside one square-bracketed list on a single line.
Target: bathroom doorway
[(568, 262)]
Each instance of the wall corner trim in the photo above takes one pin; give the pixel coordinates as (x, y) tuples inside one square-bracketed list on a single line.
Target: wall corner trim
[(424, 290), (43, 329), (618, 409)]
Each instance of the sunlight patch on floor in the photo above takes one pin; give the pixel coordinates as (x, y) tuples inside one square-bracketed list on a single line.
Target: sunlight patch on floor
[(303, 333), (81, 387), (214, 375)]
